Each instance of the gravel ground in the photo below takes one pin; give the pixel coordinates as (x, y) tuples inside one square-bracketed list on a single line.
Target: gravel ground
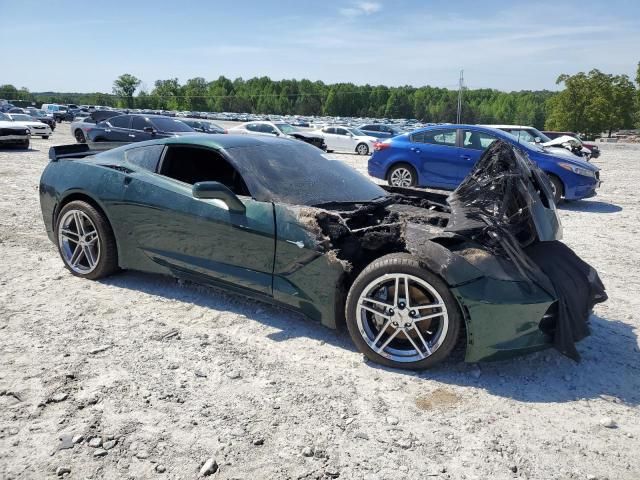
[(140, 376)]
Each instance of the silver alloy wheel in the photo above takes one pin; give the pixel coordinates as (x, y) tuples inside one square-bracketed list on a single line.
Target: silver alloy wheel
[(79, 241), (362, 149), (402, 317), (401, 177)]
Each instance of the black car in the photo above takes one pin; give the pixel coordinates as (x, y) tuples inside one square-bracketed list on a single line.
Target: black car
[(42, 117), (379, 130), (203, 126), (137, 128)]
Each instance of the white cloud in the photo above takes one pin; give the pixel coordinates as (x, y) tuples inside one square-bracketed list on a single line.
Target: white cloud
[(361, 8)]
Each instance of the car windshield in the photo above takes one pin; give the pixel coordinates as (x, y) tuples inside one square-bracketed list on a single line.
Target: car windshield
[(537, 133), (4, 117), (170, 125), (356, 132), (286, 128), (21, 117), (300, 174)]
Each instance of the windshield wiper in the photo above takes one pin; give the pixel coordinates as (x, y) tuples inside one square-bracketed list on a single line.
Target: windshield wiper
[(382, 200)]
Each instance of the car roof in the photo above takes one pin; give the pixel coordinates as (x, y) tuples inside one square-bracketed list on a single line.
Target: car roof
[(216, 142), (507, 126)]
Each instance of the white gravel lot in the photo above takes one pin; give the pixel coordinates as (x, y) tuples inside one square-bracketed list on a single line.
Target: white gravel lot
[(166, 375)]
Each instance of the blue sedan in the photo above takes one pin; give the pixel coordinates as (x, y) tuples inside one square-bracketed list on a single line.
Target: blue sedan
[(441, 156)]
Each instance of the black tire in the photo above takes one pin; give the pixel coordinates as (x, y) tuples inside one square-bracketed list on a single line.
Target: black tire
[(362, 149), (411, 171), (107, 263), (79, 134), (26, 144), (45, 137), (403, 263), (557, 187)]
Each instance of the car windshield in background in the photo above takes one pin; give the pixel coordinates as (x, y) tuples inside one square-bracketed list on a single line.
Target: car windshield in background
[(286, 128), (300, 174), (170, 125)]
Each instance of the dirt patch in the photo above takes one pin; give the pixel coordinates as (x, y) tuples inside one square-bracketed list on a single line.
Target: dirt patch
[(440, 398)]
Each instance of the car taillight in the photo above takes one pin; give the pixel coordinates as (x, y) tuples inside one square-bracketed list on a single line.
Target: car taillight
[(378, 146)]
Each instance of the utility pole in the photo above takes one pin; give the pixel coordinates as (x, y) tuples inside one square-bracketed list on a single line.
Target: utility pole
[(460, 87)]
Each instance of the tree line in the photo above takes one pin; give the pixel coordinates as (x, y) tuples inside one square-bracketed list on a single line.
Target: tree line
[(589, 103)]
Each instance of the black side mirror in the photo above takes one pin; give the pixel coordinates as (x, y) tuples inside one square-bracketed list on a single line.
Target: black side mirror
[(150, 130), (218, 191)]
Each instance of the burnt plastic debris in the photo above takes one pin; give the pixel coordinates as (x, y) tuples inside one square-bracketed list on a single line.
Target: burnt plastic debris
[(506, 205)]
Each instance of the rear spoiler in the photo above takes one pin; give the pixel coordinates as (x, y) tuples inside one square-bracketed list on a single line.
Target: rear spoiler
[(76, 150)]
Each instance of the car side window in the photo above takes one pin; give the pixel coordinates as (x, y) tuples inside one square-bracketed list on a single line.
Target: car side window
[(341, 131), (477, 140), (192, 165), (139, 123), (121, 121), (331, 130), (266, 128), (523, 135), (253, 127), (145, 157), (436, 137), (372, 128)]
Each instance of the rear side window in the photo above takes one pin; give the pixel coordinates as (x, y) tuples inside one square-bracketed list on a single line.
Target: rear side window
[(253, 127), (371, 128), (436, 137), (121, 121), (145, 157)]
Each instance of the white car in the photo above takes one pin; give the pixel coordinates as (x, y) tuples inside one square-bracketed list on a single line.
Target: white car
[(564, 145), (278, 129), (12, 133), (347, 139), (35, 127)]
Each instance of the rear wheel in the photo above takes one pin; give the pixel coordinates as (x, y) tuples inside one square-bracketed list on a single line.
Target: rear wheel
[(45, 137), (85, 241), (402, 175), (26, 144), (402, 315), (79, 136), (362, 149)]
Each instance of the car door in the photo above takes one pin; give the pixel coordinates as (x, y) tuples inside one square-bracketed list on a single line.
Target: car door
[(473, 143), (169, 229), (344, 140), (255, 129), (118, 129), (329, 134), (138, 134), (435, 155)]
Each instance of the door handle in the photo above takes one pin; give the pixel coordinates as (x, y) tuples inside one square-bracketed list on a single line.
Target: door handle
[(465, 157), (132, 135), (127, 180)]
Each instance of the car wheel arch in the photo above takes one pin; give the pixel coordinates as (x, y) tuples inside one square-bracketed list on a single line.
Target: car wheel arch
[(74, 195), (397, 163)]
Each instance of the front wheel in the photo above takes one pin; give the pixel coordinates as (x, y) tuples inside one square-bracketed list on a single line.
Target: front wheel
[(85, 241), (79, 136), (402, 175), (557, 188), (45, 137), (402, 315), (362, 149), (26, 144)]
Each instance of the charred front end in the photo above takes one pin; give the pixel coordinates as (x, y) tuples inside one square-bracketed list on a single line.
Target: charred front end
[(494, 241)]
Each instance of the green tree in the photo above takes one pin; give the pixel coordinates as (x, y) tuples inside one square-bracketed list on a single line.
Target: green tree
[(124, 87)]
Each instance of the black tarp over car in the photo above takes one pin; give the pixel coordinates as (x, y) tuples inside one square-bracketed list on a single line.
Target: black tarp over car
[(516, 219)]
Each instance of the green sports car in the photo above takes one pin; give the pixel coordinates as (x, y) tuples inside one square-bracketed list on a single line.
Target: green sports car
[(410, 272)]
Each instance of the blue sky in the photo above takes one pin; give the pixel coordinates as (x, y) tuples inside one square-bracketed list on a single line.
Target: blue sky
[(509, 45)]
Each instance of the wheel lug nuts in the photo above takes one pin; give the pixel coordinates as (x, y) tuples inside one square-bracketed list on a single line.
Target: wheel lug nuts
[(412, 313), (407, 325), (395, 324), (391, 311)]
